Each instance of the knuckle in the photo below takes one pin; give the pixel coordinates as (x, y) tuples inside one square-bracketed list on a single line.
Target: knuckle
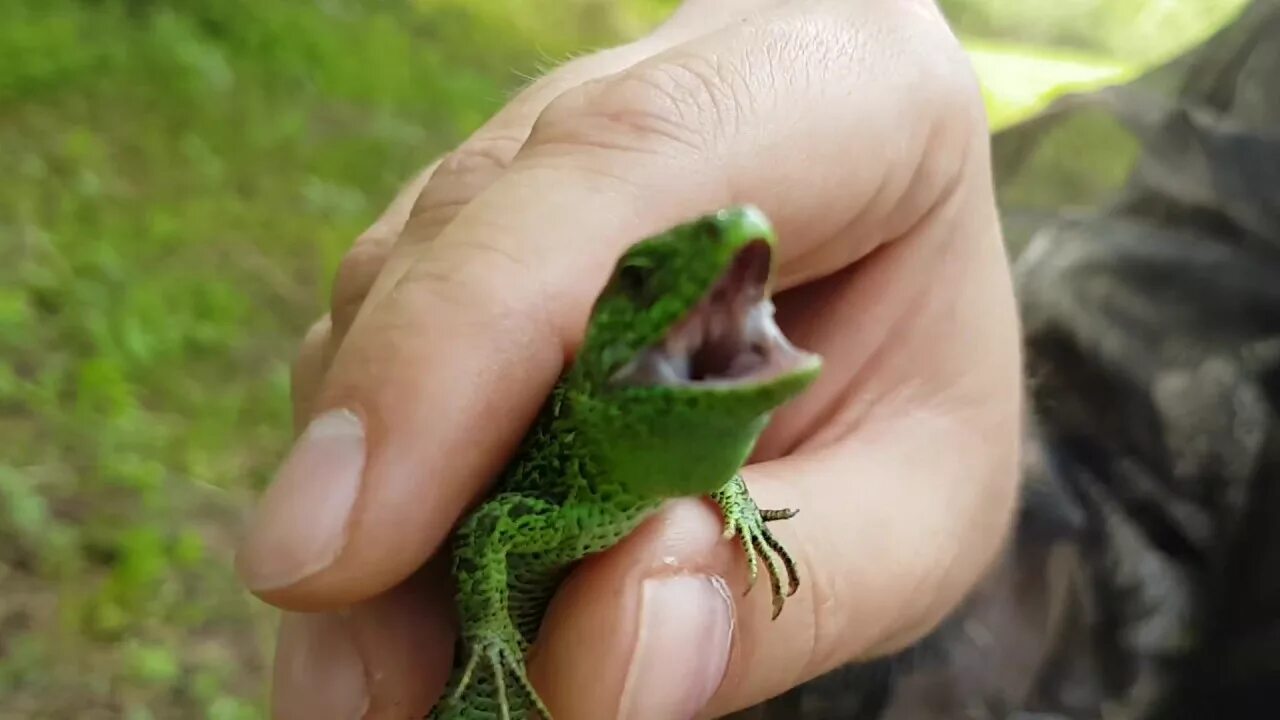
[(314, 339), (462, 175), (483, 155), (355, 276), (308, 368)]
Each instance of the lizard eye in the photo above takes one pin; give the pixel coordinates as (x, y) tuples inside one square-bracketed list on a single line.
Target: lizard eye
[(636, 282)]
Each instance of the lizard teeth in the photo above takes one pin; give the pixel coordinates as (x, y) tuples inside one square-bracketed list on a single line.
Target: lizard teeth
[(715, 345), (655, 367)]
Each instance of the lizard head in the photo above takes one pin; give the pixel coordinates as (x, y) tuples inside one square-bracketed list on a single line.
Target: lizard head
[(683, 363)]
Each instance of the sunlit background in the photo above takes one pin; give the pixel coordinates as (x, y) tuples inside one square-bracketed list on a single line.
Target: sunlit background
[(178, 181)]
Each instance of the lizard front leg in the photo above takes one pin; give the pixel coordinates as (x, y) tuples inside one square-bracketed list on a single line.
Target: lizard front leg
[(747, 521), (489, 678)]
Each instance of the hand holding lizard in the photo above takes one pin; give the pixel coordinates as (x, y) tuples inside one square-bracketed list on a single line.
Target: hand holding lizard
[(858, 128)]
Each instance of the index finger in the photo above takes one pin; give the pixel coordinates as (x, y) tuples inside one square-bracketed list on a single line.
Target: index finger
[(461, 339)]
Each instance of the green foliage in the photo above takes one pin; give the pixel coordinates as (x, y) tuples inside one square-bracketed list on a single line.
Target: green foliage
[(181, 178), (1134, 32), (1027, 53), (1018, 80)]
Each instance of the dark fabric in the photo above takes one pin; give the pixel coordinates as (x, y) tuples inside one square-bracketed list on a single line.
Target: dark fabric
[(1143, 580)]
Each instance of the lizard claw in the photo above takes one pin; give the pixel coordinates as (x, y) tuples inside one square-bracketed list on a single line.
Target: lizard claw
[(481, 688), (746, 521)]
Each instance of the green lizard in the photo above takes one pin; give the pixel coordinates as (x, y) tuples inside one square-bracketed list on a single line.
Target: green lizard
[(680, 369)]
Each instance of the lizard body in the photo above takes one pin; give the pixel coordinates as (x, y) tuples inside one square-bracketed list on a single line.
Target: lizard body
[(679, 371)]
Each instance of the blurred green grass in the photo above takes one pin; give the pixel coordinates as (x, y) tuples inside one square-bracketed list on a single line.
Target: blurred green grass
[(180, 179)]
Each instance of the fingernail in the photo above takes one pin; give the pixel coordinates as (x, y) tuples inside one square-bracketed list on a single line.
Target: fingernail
[(686, 625), (300, 525), (318, 671)]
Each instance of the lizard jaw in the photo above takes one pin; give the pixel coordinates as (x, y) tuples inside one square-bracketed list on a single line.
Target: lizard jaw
[(729, 339)]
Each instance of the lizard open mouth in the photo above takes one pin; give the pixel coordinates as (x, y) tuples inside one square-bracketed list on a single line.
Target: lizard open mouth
[(729, 338)]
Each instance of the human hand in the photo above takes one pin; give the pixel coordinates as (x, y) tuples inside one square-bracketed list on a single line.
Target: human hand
[(858, 128)]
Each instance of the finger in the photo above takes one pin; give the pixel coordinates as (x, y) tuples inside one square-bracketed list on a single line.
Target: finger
[(355, 275), (486, 154), (308, 371), (904, 494), (383, 658), (438, 192), (368, 254), (416, 431)]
